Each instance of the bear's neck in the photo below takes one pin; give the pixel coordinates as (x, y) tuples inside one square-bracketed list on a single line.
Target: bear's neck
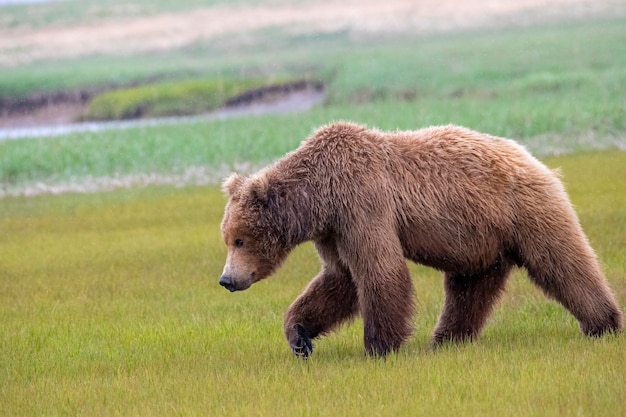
[(299, 213)]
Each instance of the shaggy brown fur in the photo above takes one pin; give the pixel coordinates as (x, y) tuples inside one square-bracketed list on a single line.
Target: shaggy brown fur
[(466, 203)]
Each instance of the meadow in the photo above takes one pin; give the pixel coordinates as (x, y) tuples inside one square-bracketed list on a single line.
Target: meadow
[(110, 303), (556, 89), (110, 306)]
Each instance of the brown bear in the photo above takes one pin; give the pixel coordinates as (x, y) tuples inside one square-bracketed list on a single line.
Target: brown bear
[(466, 203)]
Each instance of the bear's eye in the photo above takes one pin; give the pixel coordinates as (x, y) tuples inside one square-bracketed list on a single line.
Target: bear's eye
[(238, 243)]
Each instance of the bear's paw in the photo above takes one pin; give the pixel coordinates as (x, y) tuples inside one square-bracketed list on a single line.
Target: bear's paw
[(300, 342)]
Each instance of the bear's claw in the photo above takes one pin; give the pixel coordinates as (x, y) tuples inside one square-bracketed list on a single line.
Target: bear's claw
[(303, 346)]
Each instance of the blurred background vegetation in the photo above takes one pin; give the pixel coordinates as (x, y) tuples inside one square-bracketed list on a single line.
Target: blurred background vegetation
[(554, 83)]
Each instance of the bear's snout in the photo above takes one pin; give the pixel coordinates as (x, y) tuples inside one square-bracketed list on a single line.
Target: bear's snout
[(227, 283), (233, 285)]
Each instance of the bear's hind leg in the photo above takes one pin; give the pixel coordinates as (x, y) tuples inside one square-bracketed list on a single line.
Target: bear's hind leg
[(577, 283), (469, 299), (554, 250)]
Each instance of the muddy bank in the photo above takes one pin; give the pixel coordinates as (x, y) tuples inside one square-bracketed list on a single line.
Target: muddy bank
[(58, 118), (54, 107), (60, 112), (43, 107)]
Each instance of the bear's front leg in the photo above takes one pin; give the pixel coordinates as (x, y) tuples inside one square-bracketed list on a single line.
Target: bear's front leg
[(388, 311), (385, 290), (329, 299)]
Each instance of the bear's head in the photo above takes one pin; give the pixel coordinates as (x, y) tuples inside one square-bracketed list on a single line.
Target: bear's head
[(252, 229)]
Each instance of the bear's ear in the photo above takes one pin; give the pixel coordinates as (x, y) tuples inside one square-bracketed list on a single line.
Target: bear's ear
[(259, 188), (233, 184)]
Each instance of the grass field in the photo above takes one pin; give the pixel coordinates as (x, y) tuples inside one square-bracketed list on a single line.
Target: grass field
[(556, 89), (109, 302), (110, 305)]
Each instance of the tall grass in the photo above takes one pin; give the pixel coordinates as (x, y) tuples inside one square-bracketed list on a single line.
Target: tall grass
[(109, 305), (556, 89), (222, 146)]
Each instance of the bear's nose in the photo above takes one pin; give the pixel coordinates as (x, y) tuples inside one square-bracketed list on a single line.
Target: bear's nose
[(227, 283)]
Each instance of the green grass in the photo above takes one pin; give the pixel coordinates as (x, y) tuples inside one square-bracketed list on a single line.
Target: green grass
[(584, 55), (221, 146), (109, 302), (173, 98), (556, 89), (109, 305)]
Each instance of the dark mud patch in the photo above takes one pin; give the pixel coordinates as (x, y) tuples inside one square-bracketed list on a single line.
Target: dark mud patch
[(43, 108), (53, 107), (274, 92)]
